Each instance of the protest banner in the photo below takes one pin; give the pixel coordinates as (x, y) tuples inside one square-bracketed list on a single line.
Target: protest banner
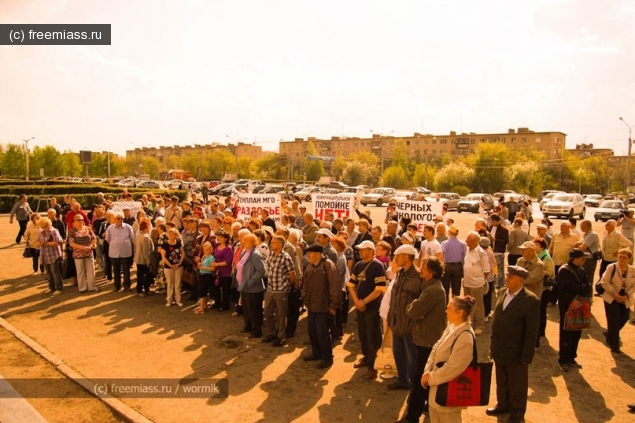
[(420, 212), (135, 206), (248, 203), (341, 205)]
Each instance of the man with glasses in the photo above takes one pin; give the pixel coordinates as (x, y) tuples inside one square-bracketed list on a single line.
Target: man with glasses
[(120, 238)]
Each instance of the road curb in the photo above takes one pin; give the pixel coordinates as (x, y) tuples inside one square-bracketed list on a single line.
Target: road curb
[(115, 404)]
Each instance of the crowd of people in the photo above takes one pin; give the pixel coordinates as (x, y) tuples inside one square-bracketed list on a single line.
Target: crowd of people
[(421, 290)]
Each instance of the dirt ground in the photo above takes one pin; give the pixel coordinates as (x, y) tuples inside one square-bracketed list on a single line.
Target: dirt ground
[(119, 335)]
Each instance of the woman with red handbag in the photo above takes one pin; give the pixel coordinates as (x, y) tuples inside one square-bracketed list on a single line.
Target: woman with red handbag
[(450, 356)]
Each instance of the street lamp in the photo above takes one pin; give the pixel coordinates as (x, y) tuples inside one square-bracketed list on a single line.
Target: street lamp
[(26, 142), (628, 159), (381, 148)]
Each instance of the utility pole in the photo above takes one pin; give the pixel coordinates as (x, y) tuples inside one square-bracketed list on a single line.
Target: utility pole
[(628, 159), (26, 142)]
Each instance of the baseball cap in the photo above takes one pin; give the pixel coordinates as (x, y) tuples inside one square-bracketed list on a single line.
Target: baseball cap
[(365, 244)]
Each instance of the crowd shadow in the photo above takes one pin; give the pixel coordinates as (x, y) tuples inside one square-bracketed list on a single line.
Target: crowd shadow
[(588, 404), (625, 369), (541, 373)]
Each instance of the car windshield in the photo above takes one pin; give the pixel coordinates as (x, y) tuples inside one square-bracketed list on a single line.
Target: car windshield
[(612, 205), (549, 196), (564, 198)]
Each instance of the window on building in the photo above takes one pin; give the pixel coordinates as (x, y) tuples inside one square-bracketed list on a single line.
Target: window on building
[(537, 139), (434, 141), (524, 140)]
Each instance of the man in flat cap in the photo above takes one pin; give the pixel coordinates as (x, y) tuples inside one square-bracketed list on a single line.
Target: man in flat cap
[(514, 333), (322, 294)]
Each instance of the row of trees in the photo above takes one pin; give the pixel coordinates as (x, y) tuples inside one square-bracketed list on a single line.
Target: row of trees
[(491, 168)]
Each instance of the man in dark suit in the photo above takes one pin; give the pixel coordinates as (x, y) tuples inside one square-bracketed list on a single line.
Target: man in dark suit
[(514, 333), (501, 237)]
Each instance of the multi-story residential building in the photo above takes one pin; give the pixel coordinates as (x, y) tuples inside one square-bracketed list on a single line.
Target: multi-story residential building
[(252, 151), (427, 146)]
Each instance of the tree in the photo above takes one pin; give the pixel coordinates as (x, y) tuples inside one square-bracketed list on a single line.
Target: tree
[(14, 161), (453, 174), (47, 158), (488, 163), (71, 165), (424, 176), (525, 177), (219, 163), (595, 174), (357, 173), (313, 169), (400, 155), (272, 166), (396, 177), (338, 167)]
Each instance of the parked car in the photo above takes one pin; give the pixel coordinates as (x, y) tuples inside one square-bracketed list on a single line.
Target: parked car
[(257, 189), (565, 205), (450, 198), (471, 203), (593, 200), (610, 209), (300, 187), (305, 194), (227, 191), (548, 198), (331, 191), (519, 198), (272, 189), (149, 185), (378, 196), (544, 193), (218, 188), (420, 190), (365, 188), (338, 184)]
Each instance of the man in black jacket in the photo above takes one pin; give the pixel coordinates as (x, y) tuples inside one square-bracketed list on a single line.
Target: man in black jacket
[(514, 333), (501, 237), (572, 281)]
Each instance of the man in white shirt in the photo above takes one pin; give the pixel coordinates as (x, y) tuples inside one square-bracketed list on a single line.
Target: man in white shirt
[(475, 271), (430, 247)]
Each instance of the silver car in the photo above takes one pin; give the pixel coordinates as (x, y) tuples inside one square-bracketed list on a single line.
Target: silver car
[(378, 196)]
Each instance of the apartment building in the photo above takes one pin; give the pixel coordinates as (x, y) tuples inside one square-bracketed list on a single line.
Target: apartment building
[(252, 151), (427, 146)]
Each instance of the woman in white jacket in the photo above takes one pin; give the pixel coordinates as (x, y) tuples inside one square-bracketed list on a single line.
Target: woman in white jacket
[(32, 235), (450, 356), (618, 282)]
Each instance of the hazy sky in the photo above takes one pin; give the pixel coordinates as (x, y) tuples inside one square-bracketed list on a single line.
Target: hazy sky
[(185, 72)]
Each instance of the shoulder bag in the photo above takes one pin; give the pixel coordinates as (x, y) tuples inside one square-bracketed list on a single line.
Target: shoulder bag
[(470, 388), (599, 289)]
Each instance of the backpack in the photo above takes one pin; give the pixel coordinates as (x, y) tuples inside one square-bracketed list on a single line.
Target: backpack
[(599, 289)]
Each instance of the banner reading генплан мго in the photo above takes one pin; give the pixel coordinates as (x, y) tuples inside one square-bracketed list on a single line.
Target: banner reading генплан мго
[(247, 203)]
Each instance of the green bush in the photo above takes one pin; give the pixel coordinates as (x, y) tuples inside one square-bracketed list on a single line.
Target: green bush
[(461, 190)]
